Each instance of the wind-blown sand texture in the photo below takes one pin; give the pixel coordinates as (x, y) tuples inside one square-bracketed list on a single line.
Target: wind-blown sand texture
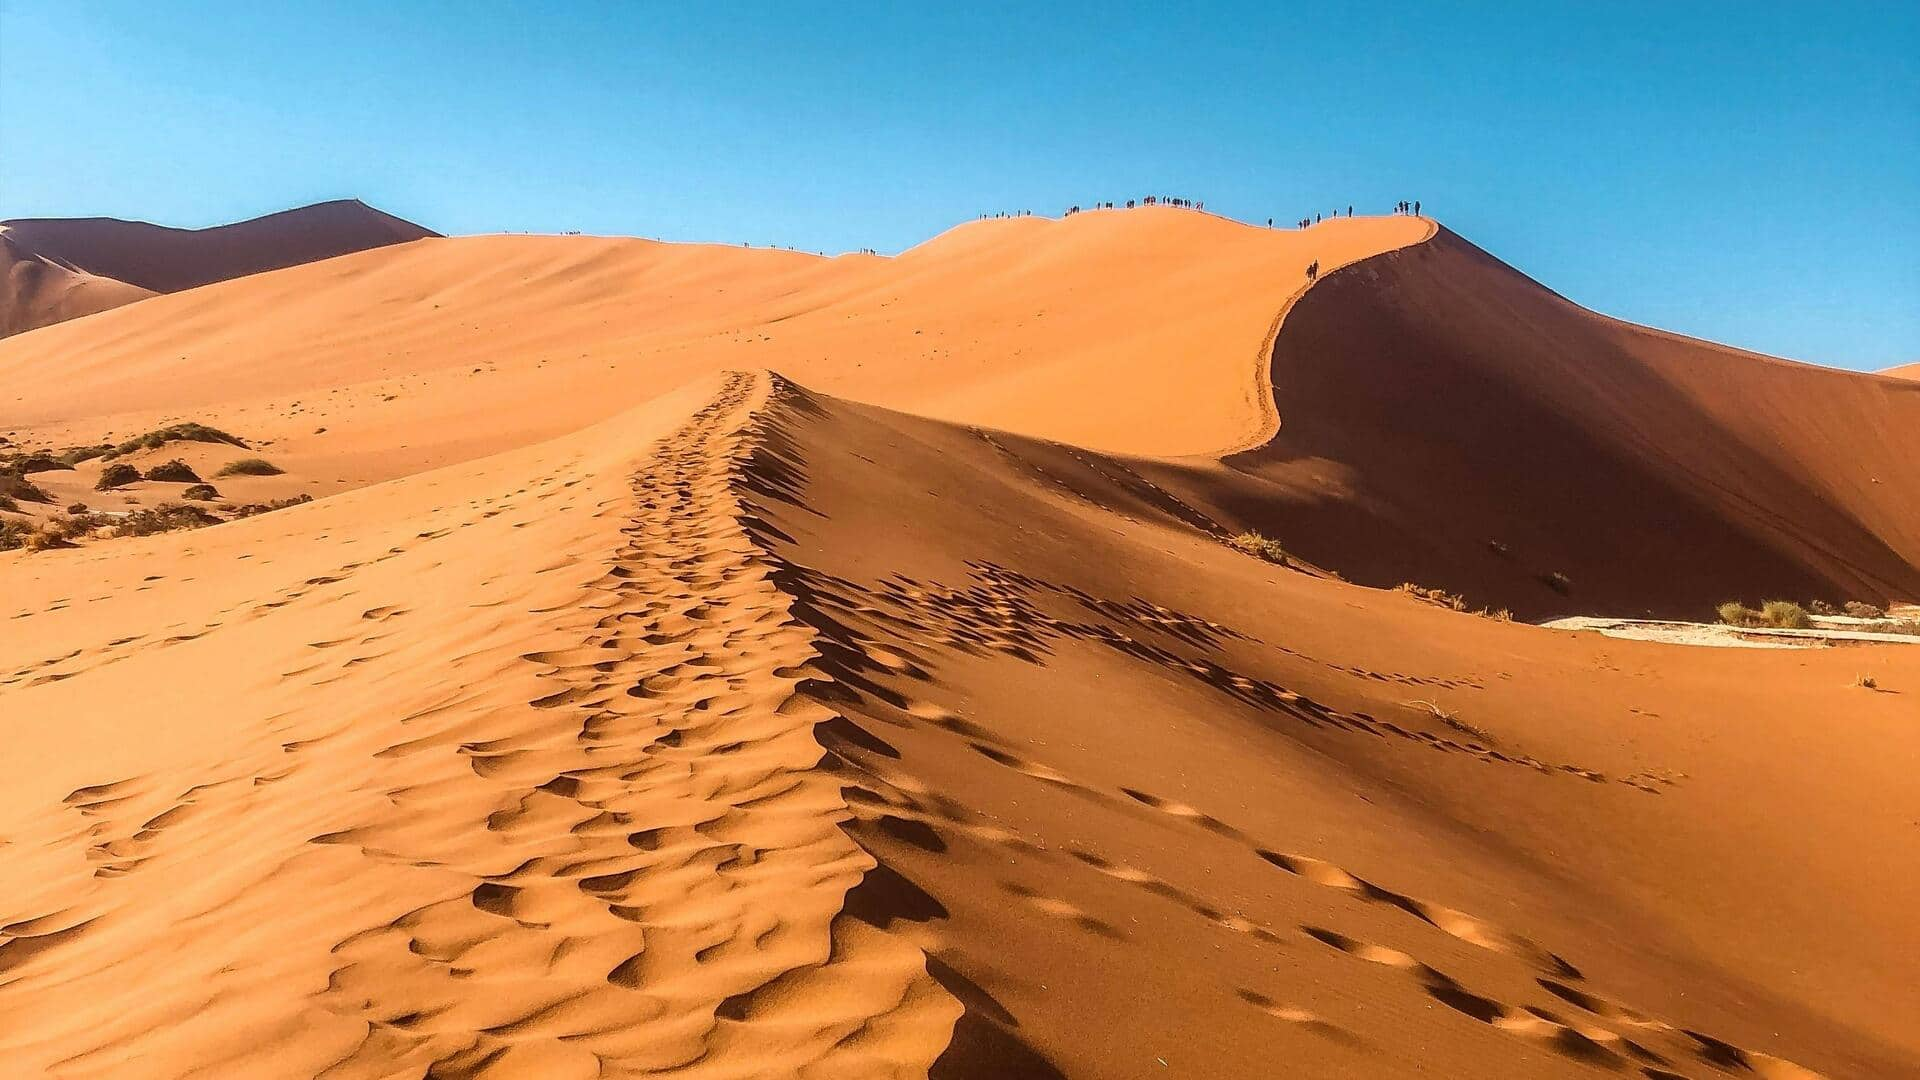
[(718, 662)]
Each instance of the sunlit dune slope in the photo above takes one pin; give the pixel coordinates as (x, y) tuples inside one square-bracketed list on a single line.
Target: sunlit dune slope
[(495, 771), (1904, 371), (1146, 799), (1448, 421), (1142, 330), (756, 732)]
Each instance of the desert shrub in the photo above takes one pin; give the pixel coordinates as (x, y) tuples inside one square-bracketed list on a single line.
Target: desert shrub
[(1821, 607), (1558, 582), (1735, 613), (200, 493), (251, 509), (38, 461), (1260, 547), (251, 466), (45, 539), (174, 472), (16, 486), (7, 503), (77, 508), (187, 432), (1860, 610), (74, 455), (167, 517), (116, 475), (14, 534), (1785, 614), (1499, 549)]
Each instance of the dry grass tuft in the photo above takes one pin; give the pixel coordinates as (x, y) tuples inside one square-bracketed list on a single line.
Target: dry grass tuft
[(1260, 547)]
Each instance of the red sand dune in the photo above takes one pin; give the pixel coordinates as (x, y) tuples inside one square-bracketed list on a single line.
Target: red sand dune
[(129, 260), (625, 716), (1436, 403), (35, 292)]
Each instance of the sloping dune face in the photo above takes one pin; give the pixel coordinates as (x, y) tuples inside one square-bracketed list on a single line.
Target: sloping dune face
[(1142, 330), (629, 709), (1448, 421), (143, 259), (35, 292), (759, 733), (499, 771)]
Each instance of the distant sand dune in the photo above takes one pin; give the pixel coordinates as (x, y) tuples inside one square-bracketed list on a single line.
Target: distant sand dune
[(117, 262)]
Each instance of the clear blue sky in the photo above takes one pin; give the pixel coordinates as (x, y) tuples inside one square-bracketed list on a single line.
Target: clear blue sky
[(1744, 172)]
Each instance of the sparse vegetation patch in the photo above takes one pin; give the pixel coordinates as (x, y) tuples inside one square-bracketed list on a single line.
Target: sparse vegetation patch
[(252, 466), (16, 486), (1260, 547), (174, 472), (185, 432), (118, 474)]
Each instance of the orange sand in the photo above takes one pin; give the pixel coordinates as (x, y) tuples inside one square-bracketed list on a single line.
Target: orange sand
[(629, 709)]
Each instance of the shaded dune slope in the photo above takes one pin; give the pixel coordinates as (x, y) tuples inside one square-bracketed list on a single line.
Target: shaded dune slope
[(35, 292), (762, 733), (1125, 780), (1448, 421), (124, 261)]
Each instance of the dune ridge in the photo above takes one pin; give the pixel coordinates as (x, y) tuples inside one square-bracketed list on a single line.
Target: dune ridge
[(1450, 422), (114, 262), (725, 662), (37, 292)]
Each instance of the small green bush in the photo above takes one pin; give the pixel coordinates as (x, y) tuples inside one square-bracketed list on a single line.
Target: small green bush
[(1260, 547), (251, 509), (174, 472), (167, 517), (251, 466), (16, 486), (116, 475), (1735, 613), (74, 455), (187, 432), (38, 461)]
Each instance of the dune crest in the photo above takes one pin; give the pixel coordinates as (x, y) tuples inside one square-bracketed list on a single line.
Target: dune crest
[(123, 261), (720, 662), (36, 292)]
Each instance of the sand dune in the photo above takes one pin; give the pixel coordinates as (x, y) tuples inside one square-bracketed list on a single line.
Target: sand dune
[(1449, 422), (1904, 371), (124, 261), (36, 292), (630, 709)]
